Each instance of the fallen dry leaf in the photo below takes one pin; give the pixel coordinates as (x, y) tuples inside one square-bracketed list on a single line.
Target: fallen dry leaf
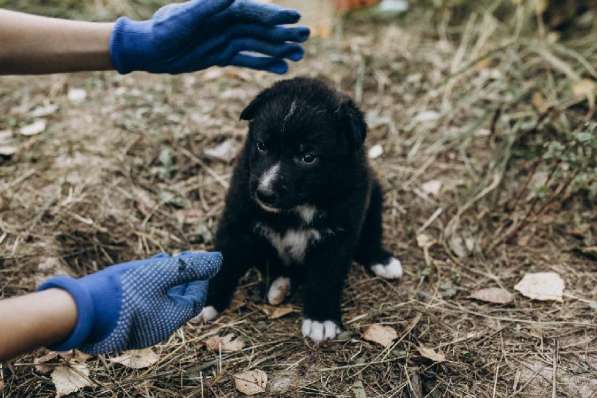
[(424, 240), (493, 295), (69, 379), (458, 246), (541, 286), (430, 353), (225, 152), (8, 150), (6, 136), (44, 110), (283, 381), (539, 102), (375, 151), (251, 382), (190, 216), (432, 187), (426, 116), (50, 264), (275, 312), (358, 390), (34, 128), (41, 365), (8, 145), (137, 359), (74, 355), (226, 344), (383, 335), (76, 95), (584, 88)]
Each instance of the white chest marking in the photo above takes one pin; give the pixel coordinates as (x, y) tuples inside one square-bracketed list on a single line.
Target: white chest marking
[(292, 244)]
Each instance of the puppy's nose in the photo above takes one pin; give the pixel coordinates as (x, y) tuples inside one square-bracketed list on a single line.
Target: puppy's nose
[(266, 196)]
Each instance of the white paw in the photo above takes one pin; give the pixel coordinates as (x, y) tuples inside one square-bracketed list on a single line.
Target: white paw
[(392, 270), (320, 331), (278, 290), (207, 314)]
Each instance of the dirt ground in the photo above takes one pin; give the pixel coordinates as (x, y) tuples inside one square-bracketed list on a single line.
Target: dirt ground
[(120, 173)]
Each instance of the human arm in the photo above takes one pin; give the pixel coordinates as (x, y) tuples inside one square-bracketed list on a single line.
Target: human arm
[(126, 306), (34, 320), (180, 37), (34, 44)]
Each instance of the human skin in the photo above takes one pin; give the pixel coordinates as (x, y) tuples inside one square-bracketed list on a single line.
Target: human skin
[(34, 320), (34, 44)]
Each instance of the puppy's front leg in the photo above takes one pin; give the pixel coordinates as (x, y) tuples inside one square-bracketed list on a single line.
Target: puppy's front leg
[(239, 253), (325, 276)]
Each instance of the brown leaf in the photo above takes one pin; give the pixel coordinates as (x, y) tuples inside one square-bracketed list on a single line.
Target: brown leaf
[(76, 95), (541, 286), (8, 145), (493, 295), (226, 344), (430, 353), (34, 128), (44, 110), (424, 241), (432, 187), (75, 355), (584, 88), (225, 152), (251, 382), (458, 246), (8, 150), (190, 216), (69, 379), (382, 335), (275, 312), (41, 365), (137, 359), (539, 102)]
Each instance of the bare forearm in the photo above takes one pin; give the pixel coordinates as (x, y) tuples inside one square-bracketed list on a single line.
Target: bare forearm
[(35, 320), (38, 45)]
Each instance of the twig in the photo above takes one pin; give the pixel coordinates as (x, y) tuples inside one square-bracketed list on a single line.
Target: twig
[(555, 369), (497, 371)]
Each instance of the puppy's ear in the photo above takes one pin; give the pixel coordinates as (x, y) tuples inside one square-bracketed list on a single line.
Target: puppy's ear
[(251, 110), (353, 122)]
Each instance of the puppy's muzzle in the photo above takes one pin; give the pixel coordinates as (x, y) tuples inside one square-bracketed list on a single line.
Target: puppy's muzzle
[(267, 197)]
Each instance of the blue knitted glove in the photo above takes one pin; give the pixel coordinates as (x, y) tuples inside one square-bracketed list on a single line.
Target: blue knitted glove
[(197, 34), (136, 304)]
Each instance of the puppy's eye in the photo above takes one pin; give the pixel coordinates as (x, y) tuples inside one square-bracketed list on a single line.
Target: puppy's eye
[(309, 159), (261, 146)]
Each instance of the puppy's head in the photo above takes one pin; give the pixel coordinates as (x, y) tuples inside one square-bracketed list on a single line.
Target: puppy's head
[(305, 144)]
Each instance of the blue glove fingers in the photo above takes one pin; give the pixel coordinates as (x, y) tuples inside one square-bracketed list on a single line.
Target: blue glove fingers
[(268, 64), (191, 267), (193, 294), (275, 34), (266, 14), (291, 51)]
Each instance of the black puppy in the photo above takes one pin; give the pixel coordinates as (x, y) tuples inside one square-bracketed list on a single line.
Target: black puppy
[(302, 203)]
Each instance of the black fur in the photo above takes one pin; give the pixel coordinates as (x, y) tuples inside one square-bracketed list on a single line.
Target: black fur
[(339, 184)]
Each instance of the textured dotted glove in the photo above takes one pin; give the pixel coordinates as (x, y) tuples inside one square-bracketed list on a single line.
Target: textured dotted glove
[(136, 304), (197, 34)]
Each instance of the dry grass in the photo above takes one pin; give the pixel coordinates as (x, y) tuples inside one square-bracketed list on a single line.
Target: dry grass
[(122, 175)]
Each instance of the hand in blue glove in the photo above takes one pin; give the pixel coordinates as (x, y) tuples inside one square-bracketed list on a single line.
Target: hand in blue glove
[(136, 304), (197, 34)]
